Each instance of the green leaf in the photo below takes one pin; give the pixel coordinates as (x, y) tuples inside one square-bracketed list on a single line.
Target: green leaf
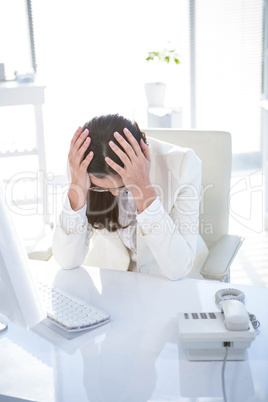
[(164, 55)]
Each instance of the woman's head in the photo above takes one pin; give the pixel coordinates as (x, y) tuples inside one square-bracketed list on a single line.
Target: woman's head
[(101, 131), (102, 207)]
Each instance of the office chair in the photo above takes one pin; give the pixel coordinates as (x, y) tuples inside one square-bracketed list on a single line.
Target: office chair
[(214, 148)]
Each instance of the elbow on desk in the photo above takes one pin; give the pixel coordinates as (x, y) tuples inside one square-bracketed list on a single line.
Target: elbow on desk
[(69, 252), (176, 276), (65, 262), (177, 271), (66, 259)]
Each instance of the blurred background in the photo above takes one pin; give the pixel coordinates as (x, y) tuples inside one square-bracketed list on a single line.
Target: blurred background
[(63, 62)]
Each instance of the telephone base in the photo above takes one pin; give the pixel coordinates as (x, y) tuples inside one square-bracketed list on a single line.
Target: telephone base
[(215, 354), (204, 336)]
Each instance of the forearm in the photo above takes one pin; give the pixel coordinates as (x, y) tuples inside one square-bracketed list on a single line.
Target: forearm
[(70, 250), (71, 237), (144, 197), (173, 252), (77, 197)]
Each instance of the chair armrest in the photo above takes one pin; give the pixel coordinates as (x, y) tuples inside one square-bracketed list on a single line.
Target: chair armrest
[(43, 249), (221, 256)]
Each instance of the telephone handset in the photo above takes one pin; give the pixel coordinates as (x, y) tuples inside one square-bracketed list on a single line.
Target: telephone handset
[(205, 335), (230, 302), (236, 317)]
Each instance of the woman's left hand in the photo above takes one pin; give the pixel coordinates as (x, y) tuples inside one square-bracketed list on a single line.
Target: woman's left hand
[(136, 170)]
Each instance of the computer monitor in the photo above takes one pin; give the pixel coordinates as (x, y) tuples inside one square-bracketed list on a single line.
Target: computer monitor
[(19, 302)]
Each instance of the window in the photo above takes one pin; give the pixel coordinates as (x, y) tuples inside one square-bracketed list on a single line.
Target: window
[(92, 59), (228, 43), (15, 50)]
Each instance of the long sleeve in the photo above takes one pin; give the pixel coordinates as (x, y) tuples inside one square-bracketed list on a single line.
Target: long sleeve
[(71, 237), (172, 237)]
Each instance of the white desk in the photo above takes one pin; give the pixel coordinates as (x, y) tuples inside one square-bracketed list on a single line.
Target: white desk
[(136, 357)]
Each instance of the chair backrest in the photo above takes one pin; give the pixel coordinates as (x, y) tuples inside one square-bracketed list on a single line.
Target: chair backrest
[(214, 148)]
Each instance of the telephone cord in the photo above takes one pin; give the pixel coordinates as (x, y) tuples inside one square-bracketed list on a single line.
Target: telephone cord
[(222, 374)]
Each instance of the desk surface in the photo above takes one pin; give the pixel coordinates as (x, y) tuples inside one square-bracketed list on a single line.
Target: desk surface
[(136, 357)]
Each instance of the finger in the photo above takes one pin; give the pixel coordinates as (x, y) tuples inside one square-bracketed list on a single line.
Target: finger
[(79, 141), (76, 157), (134, 143), (81, 152), (85, 163), (74, 139), (76, 135), (145, 149), (121, 154), (118, 169), (125, 145)]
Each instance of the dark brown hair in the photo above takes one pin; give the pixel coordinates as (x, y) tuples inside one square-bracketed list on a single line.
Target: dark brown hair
[(102, 208)]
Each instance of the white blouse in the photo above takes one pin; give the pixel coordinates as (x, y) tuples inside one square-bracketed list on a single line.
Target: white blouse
[(163, 239), (73, 221)]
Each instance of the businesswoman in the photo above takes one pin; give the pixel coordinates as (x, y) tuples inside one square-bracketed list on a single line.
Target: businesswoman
[(132, 204)]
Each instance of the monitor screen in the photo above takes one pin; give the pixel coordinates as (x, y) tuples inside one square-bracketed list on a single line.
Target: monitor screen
[(18, 298)]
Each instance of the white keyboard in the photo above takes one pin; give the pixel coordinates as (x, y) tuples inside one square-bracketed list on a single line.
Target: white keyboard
[(68, 312)]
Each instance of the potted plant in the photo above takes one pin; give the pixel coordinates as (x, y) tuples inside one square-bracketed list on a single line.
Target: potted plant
[(155, 91)]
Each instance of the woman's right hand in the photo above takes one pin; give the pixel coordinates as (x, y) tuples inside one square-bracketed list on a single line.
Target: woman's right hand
[(80, 181)]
